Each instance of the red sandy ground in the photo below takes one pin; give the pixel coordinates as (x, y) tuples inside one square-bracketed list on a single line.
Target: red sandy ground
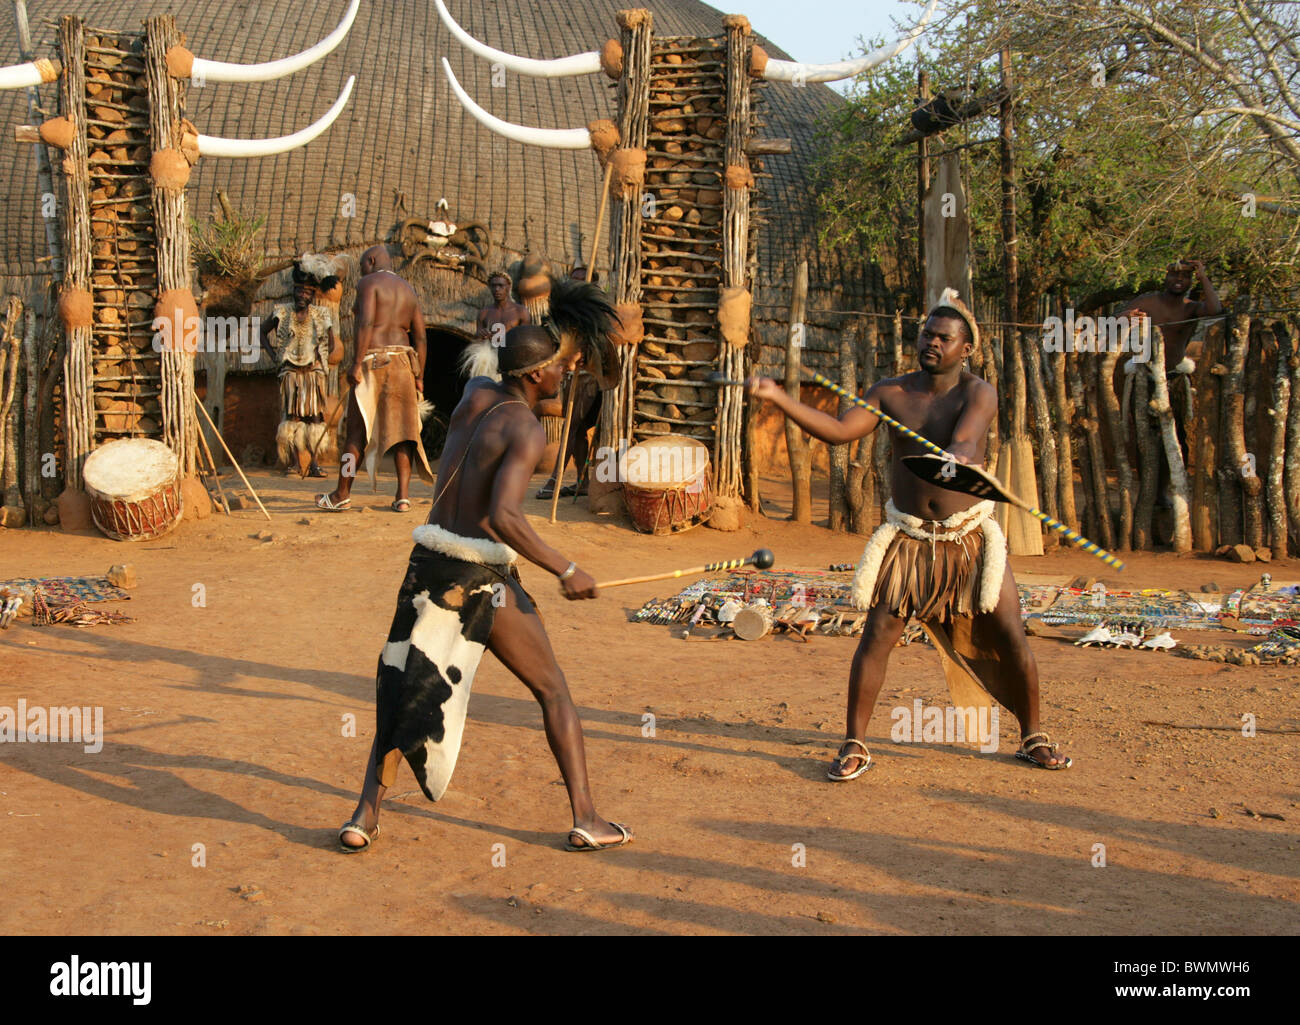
[(224, 728)]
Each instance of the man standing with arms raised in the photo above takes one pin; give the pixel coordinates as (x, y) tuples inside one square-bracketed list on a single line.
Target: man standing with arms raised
[(387, 379), (940, 555)]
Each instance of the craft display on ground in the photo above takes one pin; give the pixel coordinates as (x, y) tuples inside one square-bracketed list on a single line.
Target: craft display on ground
[(801, 602), (51, 600)]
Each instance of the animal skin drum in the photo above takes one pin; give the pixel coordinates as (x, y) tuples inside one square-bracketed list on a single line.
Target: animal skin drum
[(753, 622), (134, 489), (666, 484)]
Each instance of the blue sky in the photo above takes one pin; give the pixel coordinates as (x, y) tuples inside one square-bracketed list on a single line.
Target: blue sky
[(820, 31)]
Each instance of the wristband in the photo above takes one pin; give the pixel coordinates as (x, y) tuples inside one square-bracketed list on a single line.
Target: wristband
[(573, 568)]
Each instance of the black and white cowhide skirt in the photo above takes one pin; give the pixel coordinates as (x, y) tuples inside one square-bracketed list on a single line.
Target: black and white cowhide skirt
[(445, 610)]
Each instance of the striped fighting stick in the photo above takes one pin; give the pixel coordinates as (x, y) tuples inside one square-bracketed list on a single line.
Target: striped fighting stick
[(995, 487), (1071, 535)]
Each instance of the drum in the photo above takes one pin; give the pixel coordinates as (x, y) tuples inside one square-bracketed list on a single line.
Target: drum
[(554, 427), (753, 622), (666, 484), (134, 489)]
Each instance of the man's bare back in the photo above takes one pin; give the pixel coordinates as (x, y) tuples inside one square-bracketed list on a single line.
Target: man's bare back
[(465, 501), (388, 313)]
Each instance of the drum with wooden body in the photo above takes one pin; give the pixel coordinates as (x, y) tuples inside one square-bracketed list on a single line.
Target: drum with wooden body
[(134, 487), (666, 484), (753, 622)]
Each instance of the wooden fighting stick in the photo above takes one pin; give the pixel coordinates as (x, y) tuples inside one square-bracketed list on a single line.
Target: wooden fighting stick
[(762, 559), (230, 455), (562, 456)]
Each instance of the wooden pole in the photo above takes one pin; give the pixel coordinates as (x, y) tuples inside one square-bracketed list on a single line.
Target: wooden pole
[(637, 30), (862, 476), (231, 457), (795, 442), (31, 458), (1235, 475), (1173, 453), (1252, 506), (212, 468), (1064, 414), (166, 109), (1110, 407), (736, 236), (562, 455), (1015, 460), (44, 173), (10, 365), (882, 449), (1203, 441), (840, 498), (1277, 505), (78, 367), (922, 187), (1045, 428), (1148, 462), (1292, 332), (1087, 518), (1096, 455), (600, 222)]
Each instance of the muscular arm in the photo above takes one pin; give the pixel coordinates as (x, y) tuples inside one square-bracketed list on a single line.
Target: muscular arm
[(973, 424), (506, 517), (1209, 306), (855, 423)]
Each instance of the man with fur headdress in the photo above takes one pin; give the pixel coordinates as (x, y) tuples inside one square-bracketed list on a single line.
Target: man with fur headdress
[(462, 595), (387, 375), (302, 338), (940, 556)]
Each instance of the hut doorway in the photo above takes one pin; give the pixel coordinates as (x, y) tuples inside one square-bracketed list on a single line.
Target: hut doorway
[(443, 383)]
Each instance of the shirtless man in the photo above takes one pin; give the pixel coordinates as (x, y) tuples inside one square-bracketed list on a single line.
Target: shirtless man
[(495, 320), (462, 593), (930, 562), (1174, 313), (1176, 316), (388, 318)]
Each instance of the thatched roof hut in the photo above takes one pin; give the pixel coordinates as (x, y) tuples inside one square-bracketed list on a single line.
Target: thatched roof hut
[(404, 143)]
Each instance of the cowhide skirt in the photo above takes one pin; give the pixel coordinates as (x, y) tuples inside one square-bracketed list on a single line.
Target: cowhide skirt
[(445, 611)]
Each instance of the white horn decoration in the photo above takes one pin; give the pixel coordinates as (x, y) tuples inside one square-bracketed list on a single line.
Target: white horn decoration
[(548, 138), (561, 67), (211, 146), (25, 76), (807, 74), (219, 71)]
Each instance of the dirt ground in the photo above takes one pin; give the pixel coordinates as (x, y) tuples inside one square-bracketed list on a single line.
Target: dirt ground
[(225, 728)]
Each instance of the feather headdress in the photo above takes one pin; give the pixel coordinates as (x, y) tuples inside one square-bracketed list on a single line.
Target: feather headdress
[(579, 321)]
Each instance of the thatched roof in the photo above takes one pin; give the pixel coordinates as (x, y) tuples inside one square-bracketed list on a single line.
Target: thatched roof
[(404, 142)]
